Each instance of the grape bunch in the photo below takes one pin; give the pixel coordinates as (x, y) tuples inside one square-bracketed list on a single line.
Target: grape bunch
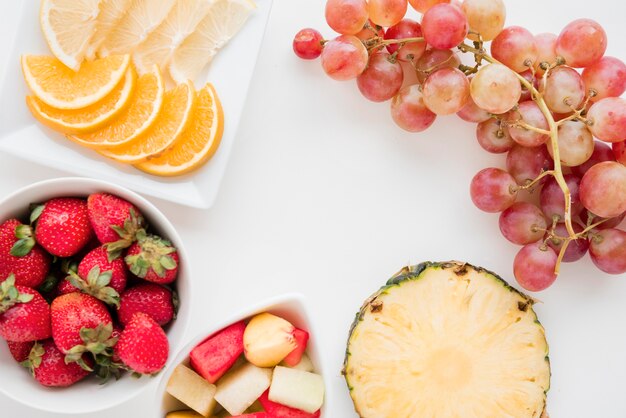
[(550, 102)]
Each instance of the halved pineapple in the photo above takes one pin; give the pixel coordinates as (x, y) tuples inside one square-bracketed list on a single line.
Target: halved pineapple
[(447, 340)]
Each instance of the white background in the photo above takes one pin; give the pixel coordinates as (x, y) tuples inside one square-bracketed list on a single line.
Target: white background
[(325, 196)]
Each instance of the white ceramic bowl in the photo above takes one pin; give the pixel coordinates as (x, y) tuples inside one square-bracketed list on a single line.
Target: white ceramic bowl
[(89, 396), (291, 307)]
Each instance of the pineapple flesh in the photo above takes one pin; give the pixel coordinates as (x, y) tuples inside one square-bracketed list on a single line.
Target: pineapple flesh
[(447, 340)]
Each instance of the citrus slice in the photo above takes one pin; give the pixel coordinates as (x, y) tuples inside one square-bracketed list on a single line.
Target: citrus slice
[(68, 26), (88, 119), (224, 20), (58, 86), (111, 12), (136, 118), (171, 122), (140, 19), (198, 142), (162, 42)]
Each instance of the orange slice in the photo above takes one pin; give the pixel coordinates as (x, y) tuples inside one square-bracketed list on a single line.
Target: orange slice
[(111, 12), (88, 119), (172, 121), (197, 144), (58, 86), (136, 118), (68, 26)]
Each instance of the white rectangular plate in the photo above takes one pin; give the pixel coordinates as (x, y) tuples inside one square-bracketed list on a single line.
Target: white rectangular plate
[(230, 72)]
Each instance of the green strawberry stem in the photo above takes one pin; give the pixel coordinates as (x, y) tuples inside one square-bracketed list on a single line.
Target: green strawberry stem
[(128, 234), (34, 358), (96, 285), (99, 343), (10, 296), (25, 241), (154, 255)]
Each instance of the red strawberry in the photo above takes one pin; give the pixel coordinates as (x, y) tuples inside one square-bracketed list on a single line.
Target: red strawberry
[(24, 313), (151, 299), (63, 228), (276, 410), (20, 256), (65, 286), (20, 351), (143, 345), (114, 220), (48, 366), (152, 258)]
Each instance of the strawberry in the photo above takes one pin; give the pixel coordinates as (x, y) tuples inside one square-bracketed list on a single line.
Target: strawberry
[(276, 410), (114, 220), (48, 366), (20, 351), (20, 256), (65, 286), (24, 313), (152, 258), (63, 228), (153, 300), (143, 345)]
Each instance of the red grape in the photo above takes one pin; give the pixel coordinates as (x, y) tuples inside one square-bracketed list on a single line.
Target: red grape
[(485, 17), (435, 59), (582, 43), (576, 249), (534, 267), (406, 28), (446, 91), (575, 143), (422, 6), (608, 250), (344, 58), (387, 12), (516, 48), (603, 189), (371, 31), (444, 26), (346, 16), (382, 78), (606, 223), (307, 44), (564, 90), (472, 113), (409, 111), (523, 223), (601, 152), (529, 113), (607, 77), (496, 88), (546, 50), (527, 163), (619, 150), (493, 190), (607, 119), (553, 200), (494, 137)]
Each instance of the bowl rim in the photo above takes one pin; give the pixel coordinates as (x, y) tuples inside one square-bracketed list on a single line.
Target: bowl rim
[(164, 223)]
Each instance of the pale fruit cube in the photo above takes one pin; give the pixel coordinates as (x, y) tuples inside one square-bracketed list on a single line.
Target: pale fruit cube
[(305, 364), (192, 389), (297, 389), (184, 414), (268, 339), (239, 388)]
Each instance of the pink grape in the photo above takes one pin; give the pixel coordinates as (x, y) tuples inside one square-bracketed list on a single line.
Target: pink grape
[(529, 113), (523, 223), (435, 59), (576, 248), (382, 78), (485, 17), (582, 43), (346, 17), (494, 137), (472, 113), (493, 190), (516, 48), (619, 151), (409, 111), (546, 50), (307, 44), (606, 223), (534, 267), (344, 58), (371, 31), (603, 189), (496, 88), (575, 144), (607, 119), (444, 26), (422, 6), (387, 12), (526, 93), (601, 152), (406, 28), (607, 77), (608, 250), (446, 91), (552, 199), (564, 90), (527, 163)]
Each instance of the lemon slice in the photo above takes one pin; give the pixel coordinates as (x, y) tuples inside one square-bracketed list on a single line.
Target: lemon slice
[(162, 42), (68, 26), (136, 118), (171, 122), (111, 12), (58, 86), (197, 144), (89, 118), (224, 20), (140, 19)]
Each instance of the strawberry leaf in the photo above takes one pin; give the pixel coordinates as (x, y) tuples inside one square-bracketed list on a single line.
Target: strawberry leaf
[(10, 296), (35, 213)]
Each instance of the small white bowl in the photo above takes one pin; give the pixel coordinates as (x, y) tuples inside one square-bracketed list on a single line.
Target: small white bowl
[(89, 396), (290, 306)]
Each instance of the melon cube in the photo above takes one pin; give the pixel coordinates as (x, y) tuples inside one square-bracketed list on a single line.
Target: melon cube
[(253, 415), (212, 358), (191, 389), (268, 339), (239, 388), (305, 364), (276, 410), (302, 338), (184, 414), (297, 389)]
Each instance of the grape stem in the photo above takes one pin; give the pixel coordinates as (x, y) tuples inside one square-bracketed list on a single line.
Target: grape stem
[(380, 42)]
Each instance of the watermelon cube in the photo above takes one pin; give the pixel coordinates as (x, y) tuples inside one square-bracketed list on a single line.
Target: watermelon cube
[(302, 338), (213, 357), (276, 410)]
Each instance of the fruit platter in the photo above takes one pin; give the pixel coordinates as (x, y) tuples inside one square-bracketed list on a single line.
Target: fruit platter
[(423, 214)]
